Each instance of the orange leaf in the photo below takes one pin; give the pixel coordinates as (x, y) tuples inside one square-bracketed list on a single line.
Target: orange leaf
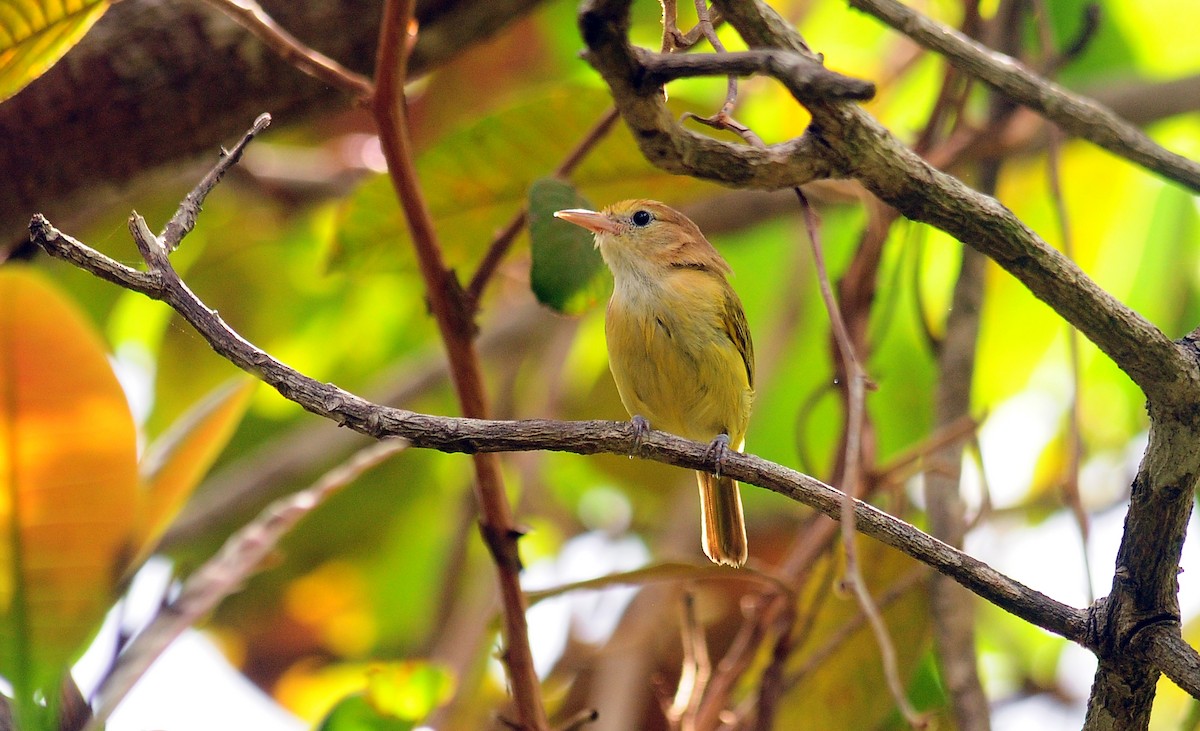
[(68, 479)]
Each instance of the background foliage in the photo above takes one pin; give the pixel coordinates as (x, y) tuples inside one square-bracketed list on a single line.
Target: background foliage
[(391, 569)]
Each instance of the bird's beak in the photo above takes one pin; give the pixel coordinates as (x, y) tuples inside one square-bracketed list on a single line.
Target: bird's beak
[(593, 221)]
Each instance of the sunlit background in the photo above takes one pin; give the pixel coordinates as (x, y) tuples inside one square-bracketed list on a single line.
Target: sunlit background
[(304, 252)]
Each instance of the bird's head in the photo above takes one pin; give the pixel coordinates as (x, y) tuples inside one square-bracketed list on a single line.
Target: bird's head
[(641, 236)]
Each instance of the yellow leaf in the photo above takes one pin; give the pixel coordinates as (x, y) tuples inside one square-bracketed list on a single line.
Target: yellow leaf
[(68, 478), (409, 690), (34, 34), (179, 459), (846, 688)]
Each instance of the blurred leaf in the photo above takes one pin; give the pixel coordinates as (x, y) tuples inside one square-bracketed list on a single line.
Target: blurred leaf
[(567, 271), (398, 695), (355, 713), (478, 176), (34, 34), (1107, 52), (68, 479), (176, 462), (846, 689), (409, 690)]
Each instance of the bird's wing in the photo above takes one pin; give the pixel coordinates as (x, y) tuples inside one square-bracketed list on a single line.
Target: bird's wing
[(739, 332)]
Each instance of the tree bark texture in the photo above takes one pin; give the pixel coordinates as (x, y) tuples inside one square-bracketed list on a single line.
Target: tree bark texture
[(158, 81)]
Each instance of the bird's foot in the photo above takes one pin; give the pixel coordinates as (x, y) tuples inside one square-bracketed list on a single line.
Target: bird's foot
[(641, 428), (717, 450)]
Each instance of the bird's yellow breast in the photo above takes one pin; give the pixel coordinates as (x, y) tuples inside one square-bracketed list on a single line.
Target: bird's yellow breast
[(672, 356)]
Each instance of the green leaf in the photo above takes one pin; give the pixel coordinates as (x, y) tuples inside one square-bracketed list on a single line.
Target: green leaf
[(476, 177), (398, 696), (1108, 52), (409, 690), (34, 34), (567, 271), (354, 713)]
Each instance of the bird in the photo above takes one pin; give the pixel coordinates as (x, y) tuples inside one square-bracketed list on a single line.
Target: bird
[(679, 346)]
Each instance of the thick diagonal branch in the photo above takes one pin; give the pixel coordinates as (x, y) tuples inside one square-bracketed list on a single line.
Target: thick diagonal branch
[(845, 141), (1076, 114)]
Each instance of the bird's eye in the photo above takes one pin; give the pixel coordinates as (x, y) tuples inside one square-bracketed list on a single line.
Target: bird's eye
[(641, 218)]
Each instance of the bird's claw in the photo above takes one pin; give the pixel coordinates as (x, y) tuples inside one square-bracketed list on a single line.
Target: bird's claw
[(641, 428), (717, 450)]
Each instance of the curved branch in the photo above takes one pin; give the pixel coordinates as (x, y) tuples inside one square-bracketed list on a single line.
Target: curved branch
[(1076, 114), (449, 434), (905, 181), (667, 143), (805, 78), (1174, 657), (843, 140), (251, 16)]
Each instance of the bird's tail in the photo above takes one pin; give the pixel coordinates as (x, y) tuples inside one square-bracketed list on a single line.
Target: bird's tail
[(723, 529)]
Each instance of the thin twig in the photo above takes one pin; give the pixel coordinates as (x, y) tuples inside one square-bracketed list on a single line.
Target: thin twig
[(695, 671), (253, 18), (896, 470), (673, 38), (670, 22), (665, 572), (704, 23), (1083, 38), (1071, 493), (580, 720), (857, 383), (184, 220), (223, 574), (453, 316), (805, 78), (838, 637)]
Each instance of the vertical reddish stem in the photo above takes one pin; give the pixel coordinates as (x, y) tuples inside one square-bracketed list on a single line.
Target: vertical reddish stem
[(455, 323)]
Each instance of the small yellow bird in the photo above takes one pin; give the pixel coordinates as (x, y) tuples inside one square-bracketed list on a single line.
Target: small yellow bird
[(678, 345)]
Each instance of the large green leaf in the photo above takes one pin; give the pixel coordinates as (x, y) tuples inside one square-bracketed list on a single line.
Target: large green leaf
[(34, 34), (475, 178), (566, 272)]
